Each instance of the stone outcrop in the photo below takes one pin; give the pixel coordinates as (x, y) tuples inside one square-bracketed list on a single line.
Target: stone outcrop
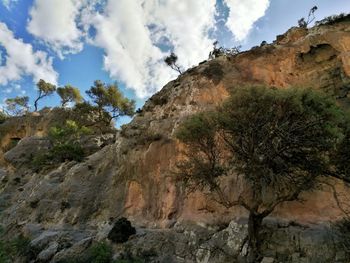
[(133, 177)]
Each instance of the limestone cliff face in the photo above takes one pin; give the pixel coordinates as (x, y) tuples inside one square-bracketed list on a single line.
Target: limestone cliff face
[(133, 177)]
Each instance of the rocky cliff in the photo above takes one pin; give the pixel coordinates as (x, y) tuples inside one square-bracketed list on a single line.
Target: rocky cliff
[(133, 176)]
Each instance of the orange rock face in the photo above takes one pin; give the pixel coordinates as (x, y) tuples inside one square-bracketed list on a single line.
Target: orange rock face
[(318, 58), (135, 176)]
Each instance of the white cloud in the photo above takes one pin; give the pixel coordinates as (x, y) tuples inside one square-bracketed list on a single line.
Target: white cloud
[(130, 55), (54, 22), (21, 60), (130, 33), (9, 3), (14, 87), (243, 14), (186, 25)]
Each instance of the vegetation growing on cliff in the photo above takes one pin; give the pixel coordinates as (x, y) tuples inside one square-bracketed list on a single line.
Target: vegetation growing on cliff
[(341, 229), (18, 247), (110, 103), (108, 98), (65, 144), (69, 94), (330, 20), (311, 17), (171, 61), (44, 89), (17, 106), (274, 143), (3, 117)]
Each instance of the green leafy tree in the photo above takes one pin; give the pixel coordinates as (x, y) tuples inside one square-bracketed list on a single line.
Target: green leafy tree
[(44, 89), (3, 116), (68, 94), (275, 143), (171, 62), (109, 98), (18, 105)]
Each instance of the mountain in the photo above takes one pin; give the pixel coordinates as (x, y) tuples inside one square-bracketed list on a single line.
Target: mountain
[(64, 208)]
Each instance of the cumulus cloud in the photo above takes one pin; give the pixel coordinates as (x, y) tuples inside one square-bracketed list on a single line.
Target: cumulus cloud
[(14, 88), (55, 23), (21, 60), (243, 14), (130, 55), (185, 24), (9, 3), (136, 35), (131, 33)]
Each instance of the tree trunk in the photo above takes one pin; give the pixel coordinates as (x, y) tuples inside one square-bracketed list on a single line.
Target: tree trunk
[(254, 226), (40, 96), (36, 104)]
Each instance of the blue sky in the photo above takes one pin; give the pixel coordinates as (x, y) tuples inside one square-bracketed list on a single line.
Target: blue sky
[(78, 41)]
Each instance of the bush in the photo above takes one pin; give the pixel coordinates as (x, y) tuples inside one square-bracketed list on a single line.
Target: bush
[(40, 160), (330, 20), (15, 248), (4, 255), (214, 72), (121, 231), (67, 152), (158, 99), (341, 230), (99, 252), (12, 144), (65, 145), (66, 142), (132, 260), (3, 117)]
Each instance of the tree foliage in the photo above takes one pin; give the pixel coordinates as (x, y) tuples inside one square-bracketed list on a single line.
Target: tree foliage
[(330, 20), (70, 133), (274, 143), (18, 105), (109, 98), (44, 89), (341, 155), (90, 115), (15, 248), (221, 51), (311, 17), (341, 231), (68, 94), (171, 62), (3, 116), (65, 144)]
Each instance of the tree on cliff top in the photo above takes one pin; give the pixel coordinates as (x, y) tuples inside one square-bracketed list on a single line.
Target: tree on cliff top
[(18, 105), (311, 17), (44, 89), (171, 62), (68, 94), (109, 98), (274, 143)]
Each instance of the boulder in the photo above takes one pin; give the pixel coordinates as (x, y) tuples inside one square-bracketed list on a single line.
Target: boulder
[(26, 149), (121, 231)]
